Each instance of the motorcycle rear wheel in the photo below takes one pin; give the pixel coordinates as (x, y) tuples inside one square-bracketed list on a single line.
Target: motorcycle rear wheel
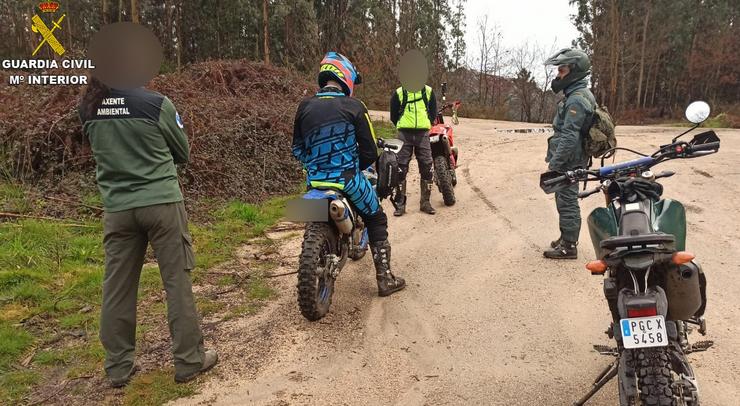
[(444, 180), (315, 284), (655, 379)]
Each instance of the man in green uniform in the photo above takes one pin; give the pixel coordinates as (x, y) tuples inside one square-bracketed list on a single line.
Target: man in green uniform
[(137, 138), (565, 149)]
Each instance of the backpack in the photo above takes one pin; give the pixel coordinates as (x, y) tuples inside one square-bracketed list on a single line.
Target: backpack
[(405, 100), (389, 175), (598, 136)]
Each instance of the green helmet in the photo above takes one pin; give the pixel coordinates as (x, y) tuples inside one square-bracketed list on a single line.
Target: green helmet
[(577, 60)]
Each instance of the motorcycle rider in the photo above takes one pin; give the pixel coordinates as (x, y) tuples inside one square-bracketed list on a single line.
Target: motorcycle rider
[(565, 149), (413, 111), (334, 139)]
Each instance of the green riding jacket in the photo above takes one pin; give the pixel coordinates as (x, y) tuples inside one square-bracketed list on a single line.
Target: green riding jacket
[(565, 148), (137, 137)]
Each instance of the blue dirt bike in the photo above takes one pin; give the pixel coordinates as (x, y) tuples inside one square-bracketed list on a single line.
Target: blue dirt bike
[(334, 232)]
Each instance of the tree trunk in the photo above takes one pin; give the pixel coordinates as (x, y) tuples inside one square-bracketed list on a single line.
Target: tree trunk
[(105, 12), (120, 10), (266, 35), (642, 53), (134, 12), (180, 43)]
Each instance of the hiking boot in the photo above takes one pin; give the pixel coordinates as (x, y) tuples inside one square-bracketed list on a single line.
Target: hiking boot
[(121, 382), (426, 193), (564, 250), (400, 200), (555, 243), (387, 283), (210, 359)]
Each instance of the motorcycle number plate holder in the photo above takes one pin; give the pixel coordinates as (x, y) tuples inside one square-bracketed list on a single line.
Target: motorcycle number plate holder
[(644, 332), (434, 138)]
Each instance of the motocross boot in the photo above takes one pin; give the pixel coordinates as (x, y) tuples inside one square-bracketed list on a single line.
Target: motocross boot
[(426, 193), (564, 250), (400, 201), (387, 283)]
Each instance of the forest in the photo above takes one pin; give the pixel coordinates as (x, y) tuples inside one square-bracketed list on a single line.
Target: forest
[(650, 57)]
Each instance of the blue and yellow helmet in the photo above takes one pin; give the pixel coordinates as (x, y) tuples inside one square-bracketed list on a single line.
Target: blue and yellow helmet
[(338, 67)]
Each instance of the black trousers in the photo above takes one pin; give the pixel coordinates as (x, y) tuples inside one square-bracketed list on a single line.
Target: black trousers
[(415, 142)]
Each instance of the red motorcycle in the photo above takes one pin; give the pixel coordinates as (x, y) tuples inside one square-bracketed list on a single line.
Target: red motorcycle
[(444, 151)]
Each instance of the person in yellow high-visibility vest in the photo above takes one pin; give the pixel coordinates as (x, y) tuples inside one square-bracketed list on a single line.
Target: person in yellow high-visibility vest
[(413, 114)]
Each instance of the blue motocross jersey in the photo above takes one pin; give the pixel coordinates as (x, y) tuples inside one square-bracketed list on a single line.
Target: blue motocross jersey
[(333, 138)]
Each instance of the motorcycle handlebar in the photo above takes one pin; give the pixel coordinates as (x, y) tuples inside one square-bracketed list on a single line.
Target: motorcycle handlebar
[(553, 181), (710, 146)]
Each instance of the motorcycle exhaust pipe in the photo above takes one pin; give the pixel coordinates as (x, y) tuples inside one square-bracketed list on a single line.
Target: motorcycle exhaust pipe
[(340, 214)]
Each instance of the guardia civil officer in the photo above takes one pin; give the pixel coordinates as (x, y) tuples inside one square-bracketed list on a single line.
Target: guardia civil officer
[(137, 137), (565, 149)]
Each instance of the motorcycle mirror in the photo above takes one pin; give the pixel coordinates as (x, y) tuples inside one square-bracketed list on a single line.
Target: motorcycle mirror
[(697, 112)]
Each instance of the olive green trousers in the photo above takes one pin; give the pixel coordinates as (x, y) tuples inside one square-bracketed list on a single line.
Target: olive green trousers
[(126, 235)]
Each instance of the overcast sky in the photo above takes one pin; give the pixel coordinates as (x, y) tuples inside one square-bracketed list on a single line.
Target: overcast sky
[(541, 21)]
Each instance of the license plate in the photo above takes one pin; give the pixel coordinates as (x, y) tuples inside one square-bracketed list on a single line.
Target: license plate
[(434, 138), (644, 332)]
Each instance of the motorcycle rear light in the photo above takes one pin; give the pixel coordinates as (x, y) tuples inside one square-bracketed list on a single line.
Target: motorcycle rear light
[(682, 257), (642, 312), (596, 267)]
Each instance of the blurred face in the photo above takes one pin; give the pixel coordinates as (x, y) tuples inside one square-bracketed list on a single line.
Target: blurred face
[(563, 71)]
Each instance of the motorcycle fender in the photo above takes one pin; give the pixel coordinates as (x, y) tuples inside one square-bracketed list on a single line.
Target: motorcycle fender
[(655, 295)]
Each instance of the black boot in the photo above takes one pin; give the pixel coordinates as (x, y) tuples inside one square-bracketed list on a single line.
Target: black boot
[(555, 243), (426, 193), (400, 201), (564, 250), (387, 283)]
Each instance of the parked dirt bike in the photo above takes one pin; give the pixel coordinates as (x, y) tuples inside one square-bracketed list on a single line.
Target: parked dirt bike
[(444, 152), (655, 289), (334, 232)]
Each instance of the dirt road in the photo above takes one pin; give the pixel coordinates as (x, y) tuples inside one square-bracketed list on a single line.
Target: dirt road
[(485, 319)]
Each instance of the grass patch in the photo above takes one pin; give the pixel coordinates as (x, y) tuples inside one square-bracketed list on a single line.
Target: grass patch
[(155, 388), (384, 129), (259, 290), (235, 224), (13, 198), (15, 385), (13, 342), (52, 273)]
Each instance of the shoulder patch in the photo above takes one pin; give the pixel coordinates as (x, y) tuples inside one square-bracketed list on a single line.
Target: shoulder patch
[(179, 120)]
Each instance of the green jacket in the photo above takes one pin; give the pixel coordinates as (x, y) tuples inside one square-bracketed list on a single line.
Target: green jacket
[(137, 137), (565, 148)]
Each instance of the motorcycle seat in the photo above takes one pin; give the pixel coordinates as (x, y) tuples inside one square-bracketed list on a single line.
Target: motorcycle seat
[(637, 241)]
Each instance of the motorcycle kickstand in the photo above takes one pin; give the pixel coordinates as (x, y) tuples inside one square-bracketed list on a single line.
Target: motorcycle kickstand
[(605, 376)]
